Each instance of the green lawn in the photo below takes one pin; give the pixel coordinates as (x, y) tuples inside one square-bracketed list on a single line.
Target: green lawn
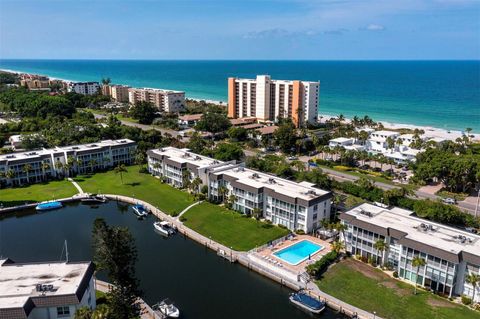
[(230, 228), (138, 185), (36, 193), (372, 290)]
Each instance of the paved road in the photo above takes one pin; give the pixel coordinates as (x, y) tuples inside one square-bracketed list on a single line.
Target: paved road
[(343, 177)]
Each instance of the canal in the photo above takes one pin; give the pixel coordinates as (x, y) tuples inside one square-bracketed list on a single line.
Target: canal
[(200, 283)]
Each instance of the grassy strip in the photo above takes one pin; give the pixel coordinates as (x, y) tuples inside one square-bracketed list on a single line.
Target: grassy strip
[(372, 290), (138, 185), (36, 193), (230, 228)]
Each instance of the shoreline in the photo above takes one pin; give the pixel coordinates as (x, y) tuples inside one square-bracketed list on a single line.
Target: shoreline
[(429, 130)]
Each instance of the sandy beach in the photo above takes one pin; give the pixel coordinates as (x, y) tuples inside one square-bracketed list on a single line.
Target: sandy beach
[(429, 130)]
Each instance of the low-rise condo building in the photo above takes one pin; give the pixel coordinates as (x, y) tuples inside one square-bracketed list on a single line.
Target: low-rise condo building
[(297, 206), (40, 165), (45, 290), (165, 100), (450, 254), (85, 88), (269, 100)]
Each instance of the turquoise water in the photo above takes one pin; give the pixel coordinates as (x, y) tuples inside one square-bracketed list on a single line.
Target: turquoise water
[(443, 94), (298, 252)]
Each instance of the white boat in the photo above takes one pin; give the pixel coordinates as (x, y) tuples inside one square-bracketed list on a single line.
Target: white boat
[(140, 211), (165, 228), (167, 308)]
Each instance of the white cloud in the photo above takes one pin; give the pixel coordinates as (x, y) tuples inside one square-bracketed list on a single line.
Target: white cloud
[(373, 27)]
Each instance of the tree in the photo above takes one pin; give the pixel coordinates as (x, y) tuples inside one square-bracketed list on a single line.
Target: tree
[(417, 262), (92, 163), (257, 213), (116, 254), (140, 160), (32, 141), (231, 200), (106, 81), (390, 143), (228, 152), (222, 192), (10, 174), (27, 168), (143, 111), (380, 246), (45, 167), (120, 169), (197, 143), (473, 279), (195, 184), (285, 136), (337, 246), (237, 133), (213, 120)]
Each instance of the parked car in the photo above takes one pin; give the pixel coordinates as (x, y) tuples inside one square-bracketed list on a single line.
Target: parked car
[(292, 158), (471, 230), (449, 200)]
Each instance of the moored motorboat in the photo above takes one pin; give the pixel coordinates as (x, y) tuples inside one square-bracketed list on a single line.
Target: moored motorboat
[(94, 199), (140, 210), (306, 302), (48, 205), (167, 308), (165, 228)]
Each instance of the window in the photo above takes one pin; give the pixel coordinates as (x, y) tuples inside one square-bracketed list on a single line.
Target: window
[(315, 208), (63, 311), (314, 216)]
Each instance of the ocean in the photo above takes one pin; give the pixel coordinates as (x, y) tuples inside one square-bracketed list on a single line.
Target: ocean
[(441, 94)]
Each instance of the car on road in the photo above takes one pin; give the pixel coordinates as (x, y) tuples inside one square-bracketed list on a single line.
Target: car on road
[(292, 158), (449, 200)]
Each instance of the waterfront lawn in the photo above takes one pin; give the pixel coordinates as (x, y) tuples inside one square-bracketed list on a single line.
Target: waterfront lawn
[(36, 193), (139, 185), (372, 290), (230, 228)]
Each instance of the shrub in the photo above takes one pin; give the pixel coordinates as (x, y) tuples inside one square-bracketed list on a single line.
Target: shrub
[(466, 300), (342, 168), (299, 232), (395, 274), (364, 259), (320, 266), (183, 219)]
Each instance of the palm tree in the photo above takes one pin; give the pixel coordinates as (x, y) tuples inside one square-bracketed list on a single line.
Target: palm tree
[(83, 313), (257, 213), (140, 159), (71, 161), (380, 246), (120, 169), (222, 191), (92, 163), (473, 279), (106, 81), (27, 168), (45, 167), (195, 184), (417, 262), (363, 136), (79, 164), (337, 246), (390, 143), (10, 174)]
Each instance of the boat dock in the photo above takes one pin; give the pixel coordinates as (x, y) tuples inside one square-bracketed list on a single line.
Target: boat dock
[(146, 311)]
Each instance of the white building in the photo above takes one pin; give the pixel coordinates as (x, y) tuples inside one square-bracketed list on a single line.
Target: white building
[(297, 206), (15, 141), (168, 101), (85, 88), (49, 163), (377, 142), (270, 100), (45, 290), (450, 253)]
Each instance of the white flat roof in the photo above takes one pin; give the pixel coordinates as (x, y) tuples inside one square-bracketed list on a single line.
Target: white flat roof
[(38, 153), (386, 133), (157, 90), (18, 281), (341, 139), (258, 179), (184, 155), (442, 236)]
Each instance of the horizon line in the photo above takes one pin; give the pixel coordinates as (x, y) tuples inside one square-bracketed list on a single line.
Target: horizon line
[(242, 60)]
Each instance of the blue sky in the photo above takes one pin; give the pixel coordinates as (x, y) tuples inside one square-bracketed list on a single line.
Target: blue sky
[(242, 29)]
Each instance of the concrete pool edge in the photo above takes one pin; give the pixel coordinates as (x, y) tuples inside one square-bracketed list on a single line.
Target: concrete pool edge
[(303, 259)]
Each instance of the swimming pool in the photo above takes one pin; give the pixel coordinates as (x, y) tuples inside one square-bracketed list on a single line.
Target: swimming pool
[(298, 252)]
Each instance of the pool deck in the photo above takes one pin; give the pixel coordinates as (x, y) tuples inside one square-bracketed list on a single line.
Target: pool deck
[(268, 252)]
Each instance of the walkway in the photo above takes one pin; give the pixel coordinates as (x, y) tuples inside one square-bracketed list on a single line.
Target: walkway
[(80, 190), (186, 209)]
